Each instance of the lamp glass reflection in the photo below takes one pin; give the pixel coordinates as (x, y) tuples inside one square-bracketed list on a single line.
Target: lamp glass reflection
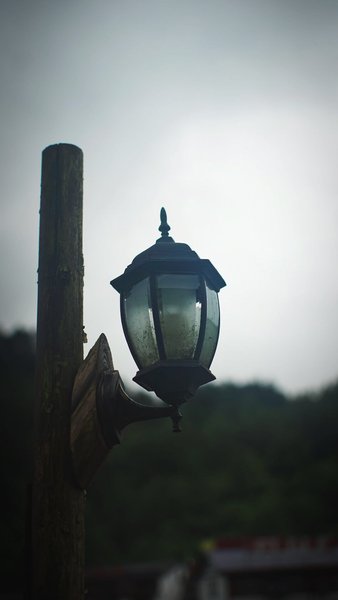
[(179, 313), (137, 314), (211, 328), (171, 317)]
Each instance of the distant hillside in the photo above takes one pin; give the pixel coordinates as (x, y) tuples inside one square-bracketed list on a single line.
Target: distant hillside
[(17, 364), (249, 461)]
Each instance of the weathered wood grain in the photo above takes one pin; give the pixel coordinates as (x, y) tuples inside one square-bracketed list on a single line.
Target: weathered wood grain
[(88, 446), (58, 504)]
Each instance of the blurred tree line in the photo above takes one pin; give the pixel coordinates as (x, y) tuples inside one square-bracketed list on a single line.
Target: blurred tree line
[(250, 461)]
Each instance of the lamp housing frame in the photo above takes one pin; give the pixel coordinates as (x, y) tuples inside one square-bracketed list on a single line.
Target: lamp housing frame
[(173, 380)]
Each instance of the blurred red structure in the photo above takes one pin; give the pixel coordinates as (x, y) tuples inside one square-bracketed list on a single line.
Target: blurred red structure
[(250, 567)]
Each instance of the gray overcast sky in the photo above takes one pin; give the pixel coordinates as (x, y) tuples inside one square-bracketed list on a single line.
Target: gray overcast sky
[(224, 112)]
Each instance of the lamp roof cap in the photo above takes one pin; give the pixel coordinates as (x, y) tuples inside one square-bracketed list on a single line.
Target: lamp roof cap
[(167, 256)]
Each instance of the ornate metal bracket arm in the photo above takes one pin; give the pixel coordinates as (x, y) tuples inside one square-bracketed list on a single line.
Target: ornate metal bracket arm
[(101, 409), (116, 409)]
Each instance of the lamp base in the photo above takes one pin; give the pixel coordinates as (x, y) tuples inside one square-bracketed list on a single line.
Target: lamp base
[(174, 381)]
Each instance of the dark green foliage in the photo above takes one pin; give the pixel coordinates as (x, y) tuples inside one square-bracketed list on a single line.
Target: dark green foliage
[(249, 462), (17, 363)]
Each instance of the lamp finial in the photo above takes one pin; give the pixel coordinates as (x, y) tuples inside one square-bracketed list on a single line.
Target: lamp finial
[(164, 227)]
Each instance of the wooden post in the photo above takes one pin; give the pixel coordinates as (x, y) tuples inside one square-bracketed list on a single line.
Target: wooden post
[(58, 504)]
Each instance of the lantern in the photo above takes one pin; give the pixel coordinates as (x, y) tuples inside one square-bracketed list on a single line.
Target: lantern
[(170, 316)]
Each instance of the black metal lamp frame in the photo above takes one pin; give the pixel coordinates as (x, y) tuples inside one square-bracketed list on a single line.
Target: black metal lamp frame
[(173, 381)]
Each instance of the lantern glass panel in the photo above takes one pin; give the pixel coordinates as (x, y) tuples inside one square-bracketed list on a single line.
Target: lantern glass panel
[(180, 314), (211, 328), (139, 323)]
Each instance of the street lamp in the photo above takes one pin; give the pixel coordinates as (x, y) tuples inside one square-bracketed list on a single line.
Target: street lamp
[(170, 317)]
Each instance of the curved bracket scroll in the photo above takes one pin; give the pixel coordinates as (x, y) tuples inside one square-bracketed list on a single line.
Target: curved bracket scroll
[(101, 409)]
